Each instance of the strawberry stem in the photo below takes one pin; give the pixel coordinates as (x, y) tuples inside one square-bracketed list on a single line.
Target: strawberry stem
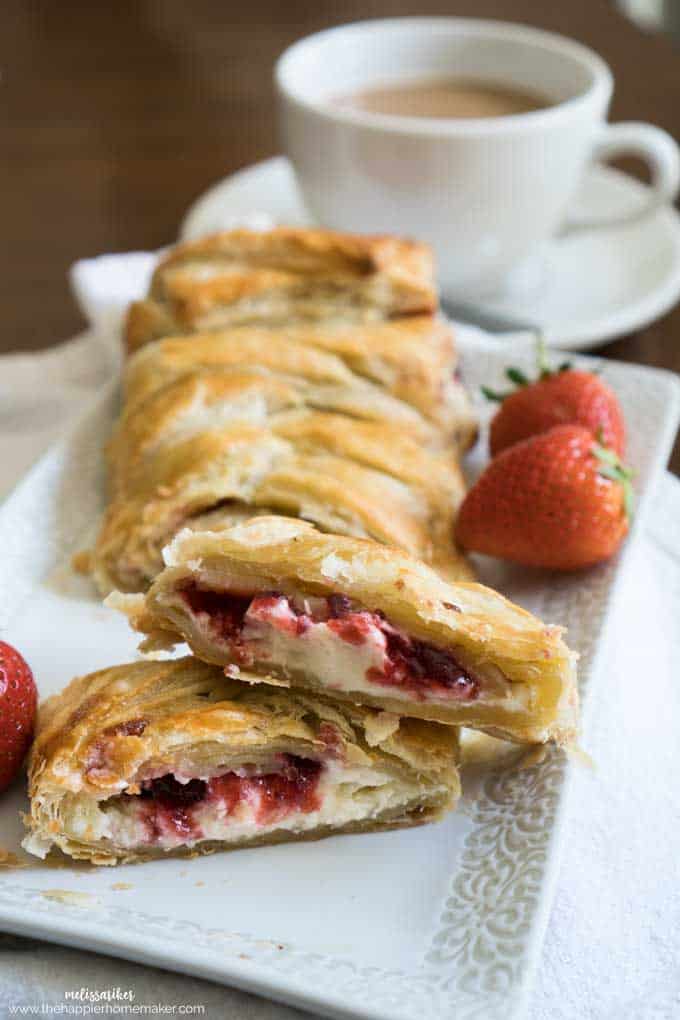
[(612, 468), (516, 376), (493, 394), (519, 379), (544, 369)]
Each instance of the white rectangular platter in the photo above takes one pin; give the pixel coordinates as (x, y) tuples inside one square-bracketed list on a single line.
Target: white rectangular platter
[(438, 922)]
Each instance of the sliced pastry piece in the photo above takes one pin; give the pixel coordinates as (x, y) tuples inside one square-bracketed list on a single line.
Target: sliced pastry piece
[(154, 758), (350, 477), (279, 276), (363, 623)]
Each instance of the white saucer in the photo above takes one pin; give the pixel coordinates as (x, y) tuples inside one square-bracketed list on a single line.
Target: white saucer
[(597, 285)]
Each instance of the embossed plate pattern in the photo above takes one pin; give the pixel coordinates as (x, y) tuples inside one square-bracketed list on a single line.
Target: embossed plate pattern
[(436, 922)]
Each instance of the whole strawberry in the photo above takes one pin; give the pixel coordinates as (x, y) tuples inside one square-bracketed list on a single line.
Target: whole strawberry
[(567, 396), (18, 702), (559, 500)]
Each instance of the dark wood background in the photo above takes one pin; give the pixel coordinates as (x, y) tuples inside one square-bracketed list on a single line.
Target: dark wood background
[(117, 115)]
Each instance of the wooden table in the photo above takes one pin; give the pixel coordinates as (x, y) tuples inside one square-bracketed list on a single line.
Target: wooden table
[(119, 115)]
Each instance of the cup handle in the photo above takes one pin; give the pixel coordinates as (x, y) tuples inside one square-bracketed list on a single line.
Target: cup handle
[(650, 143)]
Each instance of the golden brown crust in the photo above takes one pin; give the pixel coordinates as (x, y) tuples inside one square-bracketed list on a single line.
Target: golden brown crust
[(274, 423), (173, 358), (145, 321), (478, 625), (349, 426), (348, 477), (201, 403), (105, 732), (282, 275), (309, 251), (412, 362)]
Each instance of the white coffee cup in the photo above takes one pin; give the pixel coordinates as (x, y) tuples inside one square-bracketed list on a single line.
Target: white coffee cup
[(485, 193)]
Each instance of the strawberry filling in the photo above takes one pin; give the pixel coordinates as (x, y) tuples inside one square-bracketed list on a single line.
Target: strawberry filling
[(226, 612), (170, 810), (399, 660)]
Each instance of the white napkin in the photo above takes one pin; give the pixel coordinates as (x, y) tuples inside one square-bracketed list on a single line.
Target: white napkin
[(42, 394), (104, 286), (611, 950)]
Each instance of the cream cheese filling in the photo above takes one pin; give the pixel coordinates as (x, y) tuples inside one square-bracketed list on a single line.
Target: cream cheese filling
[(346, 794), (318, 651), (321, 653)]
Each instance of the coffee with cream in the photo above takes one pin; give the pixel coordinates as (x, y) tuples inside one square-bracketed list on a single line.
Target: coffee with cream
[(445, 98)]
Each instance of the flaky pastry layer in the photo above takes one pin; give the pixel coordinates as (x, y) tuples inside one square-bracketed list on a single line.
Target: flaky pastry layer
[(347, 476), (280, 276), (412, 362), (351, 422), (150, 758), (463, 654)]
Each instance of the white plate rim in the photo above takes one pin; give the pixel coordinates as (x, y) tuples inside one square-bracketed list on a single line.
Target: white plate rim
[(337, 987)]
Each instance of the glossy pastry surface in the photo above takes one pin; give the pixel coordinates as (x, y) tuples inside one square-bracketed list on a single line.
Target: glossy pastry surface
[(154, 758), (412, 360), (280, 276), (355, 426), (347, 476)]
